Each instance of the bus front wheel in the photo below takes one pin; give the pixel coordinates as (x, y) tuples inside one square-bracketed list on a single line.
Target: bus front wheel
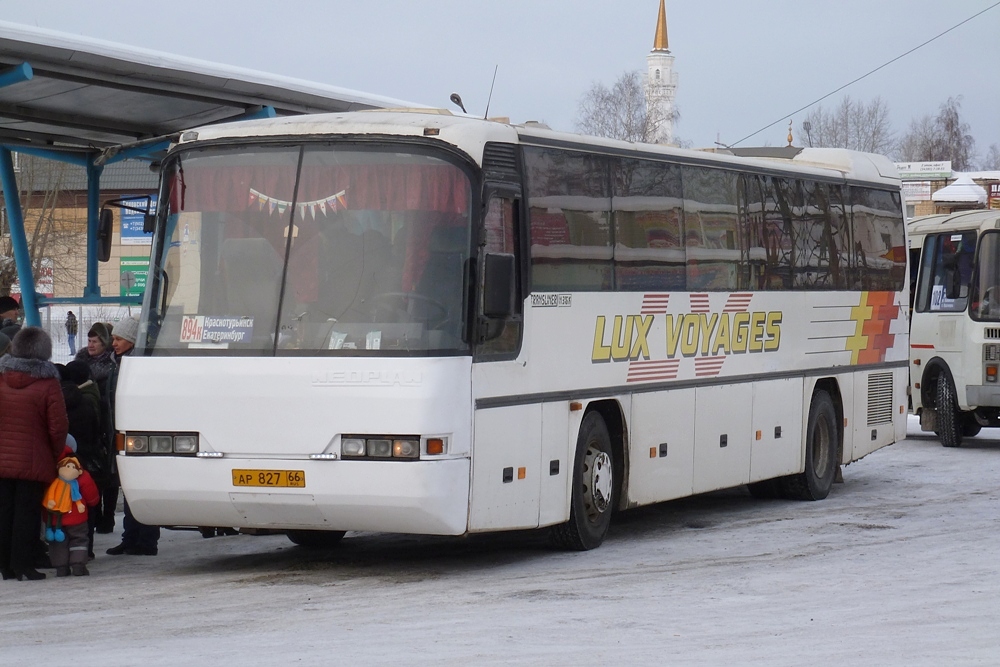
[(595, 489), (949, 419), (315, 539), (822, 445)]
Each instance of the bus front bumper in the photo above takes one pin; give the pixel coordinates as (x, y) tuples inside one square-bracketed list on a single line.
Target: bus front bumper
[(987, 396), (422, 497)]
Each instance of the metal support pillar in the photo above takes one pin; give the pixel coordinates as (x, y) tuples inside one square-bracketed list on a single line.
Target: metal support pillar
[(93, 287), (16, 74), (18, 240)]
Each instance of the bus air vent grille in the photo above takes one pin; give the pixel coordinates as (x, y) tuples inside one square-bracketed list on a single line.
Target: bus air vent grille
[(879, 398), (991, 333), (500, 162)]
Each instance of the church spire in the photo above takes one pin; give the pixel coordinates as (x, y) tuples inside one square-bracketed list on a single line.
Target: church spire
[(660, 40)]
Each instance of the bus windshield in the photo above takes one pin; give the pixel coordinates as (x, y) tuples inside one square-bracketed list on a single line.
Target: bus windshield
[(310, 250), (986, 294)]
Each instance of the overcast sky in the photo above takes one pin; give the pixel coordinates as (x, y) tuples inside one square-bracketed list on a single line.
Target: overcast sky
[(742, 63)]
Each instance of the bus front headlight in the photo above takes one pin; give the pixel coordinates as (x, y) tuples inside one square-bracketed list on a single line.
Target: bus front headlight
[(185, 444), (161, 444), (136, 444)]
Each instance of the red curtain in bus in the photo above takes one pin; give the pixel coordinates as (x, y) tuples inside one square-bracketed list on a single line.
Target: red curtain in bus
[(441, 189)]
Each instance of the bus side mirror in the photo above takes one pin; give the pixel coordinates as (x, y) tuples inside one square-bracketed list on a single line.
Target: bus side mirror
[(105, 229), (953, 283), (498, 285), (148, 223)]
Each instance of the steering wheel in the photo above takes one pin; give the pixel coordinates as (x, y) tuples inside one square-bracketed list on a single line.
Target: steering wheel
[(435, 316)]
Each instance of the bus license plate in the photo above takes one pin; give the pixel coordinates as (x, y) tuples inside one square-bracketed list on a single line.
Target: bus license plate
[(283, 478)]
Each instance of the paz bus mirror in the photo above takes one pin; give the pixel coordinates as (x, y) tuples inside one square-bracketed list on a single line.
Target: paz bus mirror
[(148, 223), (105, 229), (498, 285)]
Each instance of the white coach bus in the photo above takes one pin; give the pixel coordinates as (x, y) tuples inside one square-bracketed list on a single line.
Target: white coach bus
[(955, 326), (424, 323)]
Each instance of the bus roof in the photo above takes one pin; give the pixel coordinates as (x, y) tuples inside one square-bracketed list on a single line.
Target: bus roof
[(471, 134), (980, 219)]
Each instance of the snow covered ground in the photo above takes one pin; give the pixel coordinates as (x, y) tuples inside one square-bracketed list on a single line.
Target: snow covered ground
[(897, 567)]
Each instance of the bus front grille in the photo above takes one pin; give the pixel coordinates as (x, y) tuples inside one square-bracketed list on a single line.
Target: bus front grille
[(879, 398), (991, 333)]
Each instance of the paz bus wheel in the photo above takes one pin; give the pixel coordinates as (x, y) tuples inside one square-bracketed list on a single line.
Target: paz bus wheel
[(822, 445), (949, 421), (595, 489), (315, 539)]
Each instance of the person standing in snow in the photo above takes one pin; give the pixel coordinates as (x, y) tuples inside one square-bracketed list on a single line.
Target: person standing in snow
[(99, 358), (138, 539), (71, 329), (33, 429)]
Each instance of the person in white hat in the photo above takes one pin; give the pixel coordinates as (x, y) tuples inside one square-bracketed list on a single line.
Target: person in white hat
[(138, 539), (123, 336)]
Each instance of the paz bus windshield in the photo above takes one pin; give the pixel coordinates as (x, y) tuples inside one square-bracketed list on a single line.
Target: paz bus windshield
[(310, 250)]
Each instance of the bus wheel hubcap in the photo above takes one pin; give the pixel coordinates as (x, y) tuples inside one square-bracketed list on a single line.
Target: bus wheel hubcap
[(600, 480)]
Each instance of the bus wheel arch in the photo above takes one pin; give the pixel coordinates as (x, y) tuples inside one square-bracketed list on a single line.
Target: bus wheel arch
[(614, 419), (938, 389), (933, 370), (596, 478), (832, 388), (823, 444)]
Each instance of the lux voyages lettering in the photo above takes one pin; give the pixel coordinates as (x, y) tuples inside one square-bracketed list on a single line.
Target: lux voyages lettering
[(731, 333), (691, 335), (628, 339)]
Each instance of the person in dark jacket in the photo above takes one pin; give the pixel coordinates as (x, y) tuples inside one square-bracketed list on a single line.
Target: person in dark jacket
[(98, 353), (138, 539), (71, 329), (33, 427), (9, 310), (99, 358)]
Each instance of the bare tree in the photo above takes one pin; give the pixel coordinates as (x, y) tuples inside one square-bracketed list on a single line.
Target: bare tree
[(992, 160), (943, 137), (852, 124), (619, 112), (54, 236)]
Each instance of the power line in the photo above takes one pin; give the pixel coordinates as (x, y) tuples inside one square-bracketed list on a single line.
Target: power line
[(883, 65)]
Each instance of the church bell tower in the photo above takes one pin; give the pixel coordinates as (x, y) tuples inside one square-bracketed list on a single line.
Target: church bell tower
[(661, 82)]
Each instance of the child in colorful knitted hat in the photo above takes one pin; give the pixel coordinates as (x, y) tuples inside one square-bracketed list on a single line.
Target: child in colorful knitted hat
[(66, 503)]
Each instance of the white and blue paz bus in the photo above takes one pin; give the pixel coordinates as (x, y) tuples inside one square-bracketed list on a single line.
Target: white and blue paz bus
[(423, 323)]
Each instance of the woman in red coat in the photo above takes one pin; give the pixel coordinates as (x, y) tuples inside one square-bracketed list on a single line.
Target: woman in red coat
[(33, 428)]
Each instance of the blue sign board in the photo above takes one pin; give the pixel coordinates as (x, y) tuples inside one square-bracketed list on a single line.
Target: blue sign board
[(132, 221)]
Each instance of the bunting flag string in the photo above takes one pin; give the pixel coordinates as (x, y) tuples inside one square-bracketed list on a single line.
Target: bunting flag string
[(330, 204)]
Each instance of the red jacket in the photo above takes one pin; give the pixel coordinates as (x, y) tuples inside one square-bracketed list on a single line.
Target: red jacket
[(33, 420)]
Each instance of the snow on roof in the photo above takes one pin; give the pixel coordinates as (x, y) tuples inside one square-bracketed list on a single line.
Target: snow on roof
[(963, 190), (983, 175)]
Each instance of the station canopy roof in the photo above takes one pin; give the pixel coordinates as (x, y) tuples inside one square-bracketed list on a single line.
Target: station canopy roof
[(85, 94)]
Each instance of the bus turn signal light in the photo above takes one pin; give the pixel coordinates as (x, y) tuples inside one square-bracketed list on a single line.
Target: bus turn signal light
[(991, 373), (435, 446)]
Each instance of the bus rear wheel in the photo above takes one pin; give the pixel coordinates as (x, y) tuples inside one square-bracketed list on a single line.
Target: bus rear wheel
[(822, 445), (949, 420), (315, 539), (595, 489)]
